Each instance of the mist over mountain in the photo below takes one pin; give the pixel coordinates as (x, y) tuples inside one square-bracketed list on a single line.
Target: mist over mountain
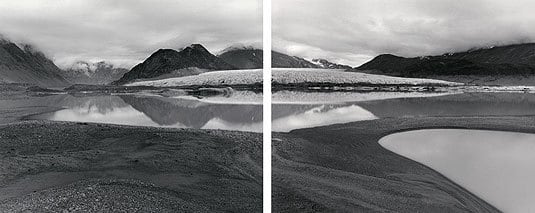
[(26, 64), (281, 60), (323, 63), (171, 63), (101, 72)]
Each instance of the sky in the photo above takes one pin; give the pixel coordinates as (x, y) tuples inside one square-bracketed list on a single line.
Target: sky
[(125, 32), (354, 31)]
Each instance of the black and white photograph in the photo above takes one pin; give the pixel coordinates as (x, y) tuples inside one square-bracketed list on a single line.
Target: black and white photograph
[(131, 106), (403, 106), (267, 106)]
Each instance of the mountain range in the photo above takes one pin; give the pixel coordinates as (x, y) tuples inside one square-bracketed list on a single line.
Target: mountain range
[(518, 59), (20, 63), (25, 64), (172, 63)]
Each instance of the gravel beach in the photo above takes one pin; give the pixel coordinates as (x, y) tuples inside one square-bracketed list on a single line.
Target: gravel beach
[(343, 168)]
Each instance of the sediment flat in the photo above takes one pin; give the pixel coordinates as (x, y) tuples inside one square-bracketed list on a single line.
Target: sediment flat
[(343, 168), (58, 166)]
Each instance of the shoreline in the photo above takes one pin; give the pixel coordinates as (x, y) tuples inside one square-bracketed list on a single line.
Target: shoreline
[(315, 167)]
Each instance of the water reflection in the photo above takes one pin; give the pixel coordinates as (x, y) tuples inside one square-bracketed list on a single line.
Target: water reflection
[(319, 116), (496, 166), (145, 110), (294, 110)]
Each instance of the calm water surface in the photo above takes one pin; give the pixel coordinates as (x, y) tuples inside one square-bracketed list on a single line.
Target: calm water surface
[(242, 111), (499, 167), (295, 110)]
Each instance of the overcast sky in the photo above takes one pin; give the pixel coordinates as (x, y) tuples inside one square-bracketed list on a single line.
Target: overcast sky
[(354, 31), (126, 32)]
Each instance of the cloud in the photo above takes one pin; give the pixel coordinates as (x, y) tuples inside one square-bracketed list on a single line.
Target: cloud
[(125, 32), (354, 31)]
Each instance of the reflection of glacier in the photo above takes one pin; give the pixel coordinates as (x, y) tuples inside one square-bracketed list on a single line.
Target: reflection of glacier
[(300, 97), (195, 114), (158, 111), (319, 116)]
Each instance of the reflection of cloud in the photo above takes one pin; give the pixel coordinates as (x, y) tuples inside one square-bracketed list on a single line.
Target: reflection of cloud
[(320, 116), (122, 115), (217, 123)]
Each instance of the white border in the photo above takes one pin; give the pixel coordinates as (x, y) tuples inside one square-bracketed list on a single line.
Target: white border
[(266, 148)]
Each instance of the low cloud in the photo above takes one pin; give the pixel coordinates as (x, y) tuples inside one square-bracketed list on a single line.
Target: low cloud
[(354, 31), (125, 32)]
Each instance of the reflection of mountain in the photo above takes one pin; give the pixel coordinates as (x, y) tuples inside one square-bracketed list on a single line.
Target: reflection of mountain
[(468, 104), (293, 116), (104, 103), (191, 113)]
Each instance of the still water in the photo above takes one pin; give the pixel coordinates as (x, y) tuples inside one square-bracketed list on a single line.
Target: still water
[(497, 166), (295, 110), (241, 111)]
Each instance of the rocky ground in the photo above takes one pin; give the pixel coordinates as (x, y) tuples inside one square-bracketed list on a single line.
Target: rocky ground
[(95, 167), (48, 166), (343, 168)]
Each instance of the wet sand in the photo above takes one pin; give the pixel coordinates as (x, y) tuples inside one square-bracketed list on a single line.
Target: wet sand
[(343, 168)]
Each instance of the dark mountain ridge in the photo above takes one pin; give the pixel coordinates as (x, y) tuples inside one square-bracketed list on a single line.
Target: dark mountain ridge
[(28, 65), (518, 59), (243, 58), (169, 61)]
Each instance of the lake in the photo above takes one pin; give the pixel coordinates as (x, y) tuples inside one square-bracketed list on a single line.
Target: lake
[(496, 166), (241, 111), (295, 110)]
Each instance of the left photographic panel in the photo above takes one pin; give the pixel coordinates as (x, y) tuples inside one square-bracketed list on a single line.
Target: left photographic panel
[(150, 106)]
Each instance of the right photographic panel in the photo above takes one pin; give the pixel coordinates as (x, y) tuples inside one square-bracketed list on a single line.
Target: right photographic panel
[(403, 106)]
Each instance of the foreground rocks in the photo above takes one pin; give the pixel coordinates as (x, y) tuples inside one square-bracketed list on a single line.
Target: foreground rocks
[(56, 166)]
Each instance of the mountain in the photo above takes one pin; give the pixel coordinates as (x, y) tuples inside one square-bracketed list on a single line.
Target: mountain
[(27, 65), (518, 59), (83, 72), (172, 63), (280, 60), (243, 57), (329, 65)]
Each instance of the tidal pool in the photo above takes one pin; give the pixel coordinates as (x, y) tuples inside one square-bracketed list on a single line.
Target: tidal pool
[(497, 166)]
